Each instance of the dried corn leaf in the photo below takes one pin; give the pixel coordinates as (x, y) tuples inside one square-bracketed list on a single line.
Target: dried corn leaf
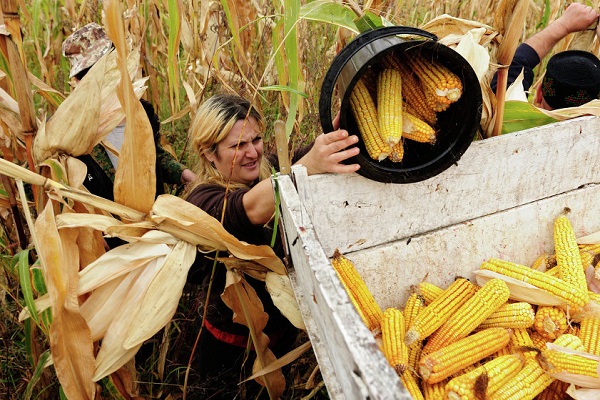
[(70, 339), (73, 127), (110, 266), (282, 293), (590, 108), (188, 222), (112, 354), (446, 25), (91, 111), (17, 172), (287, 358), (135, 178), (162, 295), (131, 233), (248, 310), (251, 268), (95, 221), (9, 114)]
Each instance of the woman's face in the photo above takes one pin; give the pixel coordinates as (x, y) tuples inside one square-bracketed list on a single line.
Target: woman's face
[(249, 153)]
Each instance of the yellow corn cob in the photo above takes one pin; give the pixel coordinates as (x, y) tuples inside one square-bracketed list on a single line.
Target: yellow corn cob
[(357, 289), (412, 386), (521, 343), (389, 105), (392, 335), (553, 272), (442, 87), (556, 391), (416, 129), (365, 114), (591, 248), (429, 291), (435, 367), (571, 294), (397, 152), (510, 315), (530, 381), (587, 259), (434, 391), (539, 341), (568, 258), (482, 304), (414, 304), (570, 341), (554, 362), (439, 310), (589, 333), (412, 92), (550, 322), (485, 379)]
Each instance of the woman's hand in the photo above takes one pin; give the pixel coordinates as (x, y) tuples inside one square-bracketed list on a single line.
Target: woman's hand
[(329, 152)]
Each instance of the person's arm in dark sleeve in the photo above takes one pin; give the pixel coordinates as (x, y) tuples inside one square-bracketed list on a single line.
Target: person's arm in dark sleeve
[(172, 171), (525, 59)]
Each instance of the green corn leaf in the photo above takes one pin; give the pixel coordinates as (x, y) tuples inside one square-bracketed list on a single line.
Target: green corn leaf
[(368, 21), (173, 46), (37, 373), (25, 282), (292, 16), (38, 279), (330, 13), (519, 115), (282, 88)]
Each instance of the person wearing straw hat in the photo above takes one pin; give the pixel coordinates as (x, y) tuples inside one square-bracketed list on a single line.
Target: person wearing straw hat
[(234, 186), (83, 48), (572, 77)]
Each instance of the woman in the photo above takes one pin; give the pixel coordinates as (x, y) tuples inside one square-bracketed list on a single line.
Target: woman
[(226, 133)]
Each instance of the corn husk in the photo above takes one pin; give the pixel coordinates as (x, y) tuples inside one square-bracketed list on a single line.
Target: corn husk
[(519, 290), (576, 379), (119, 261), (592, 238), (112, 354), (99, 308), (161, 298)]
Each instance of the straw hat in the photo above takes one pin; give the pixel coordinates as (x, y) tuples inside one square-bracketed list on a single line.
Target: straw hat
[(572, 79), (85, 47)]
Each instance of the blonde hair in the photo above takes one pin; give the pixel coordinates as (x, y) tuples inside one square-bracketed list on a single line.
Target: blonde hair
[(212, 123)]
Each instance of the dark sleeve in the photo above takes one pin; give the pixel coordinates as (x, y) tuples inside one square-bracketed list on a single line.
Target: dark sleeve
[(170, 169), (526, 59)]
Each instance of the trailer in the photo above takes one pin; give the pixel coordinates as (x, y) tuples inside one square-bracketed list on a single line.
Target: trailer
[(500, 199)]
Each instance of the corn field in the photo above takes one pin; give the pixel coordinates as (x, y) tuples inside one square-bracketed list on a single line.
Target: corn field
[(68, 329)]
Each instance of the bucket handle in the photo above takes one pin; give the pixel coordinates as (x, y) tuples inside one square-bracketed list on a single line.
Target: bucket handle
[(346, 53)]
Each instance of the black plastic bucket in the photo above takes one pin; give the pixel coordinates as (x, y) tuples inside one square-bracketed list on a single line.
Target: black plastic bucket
[(456, 126)]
